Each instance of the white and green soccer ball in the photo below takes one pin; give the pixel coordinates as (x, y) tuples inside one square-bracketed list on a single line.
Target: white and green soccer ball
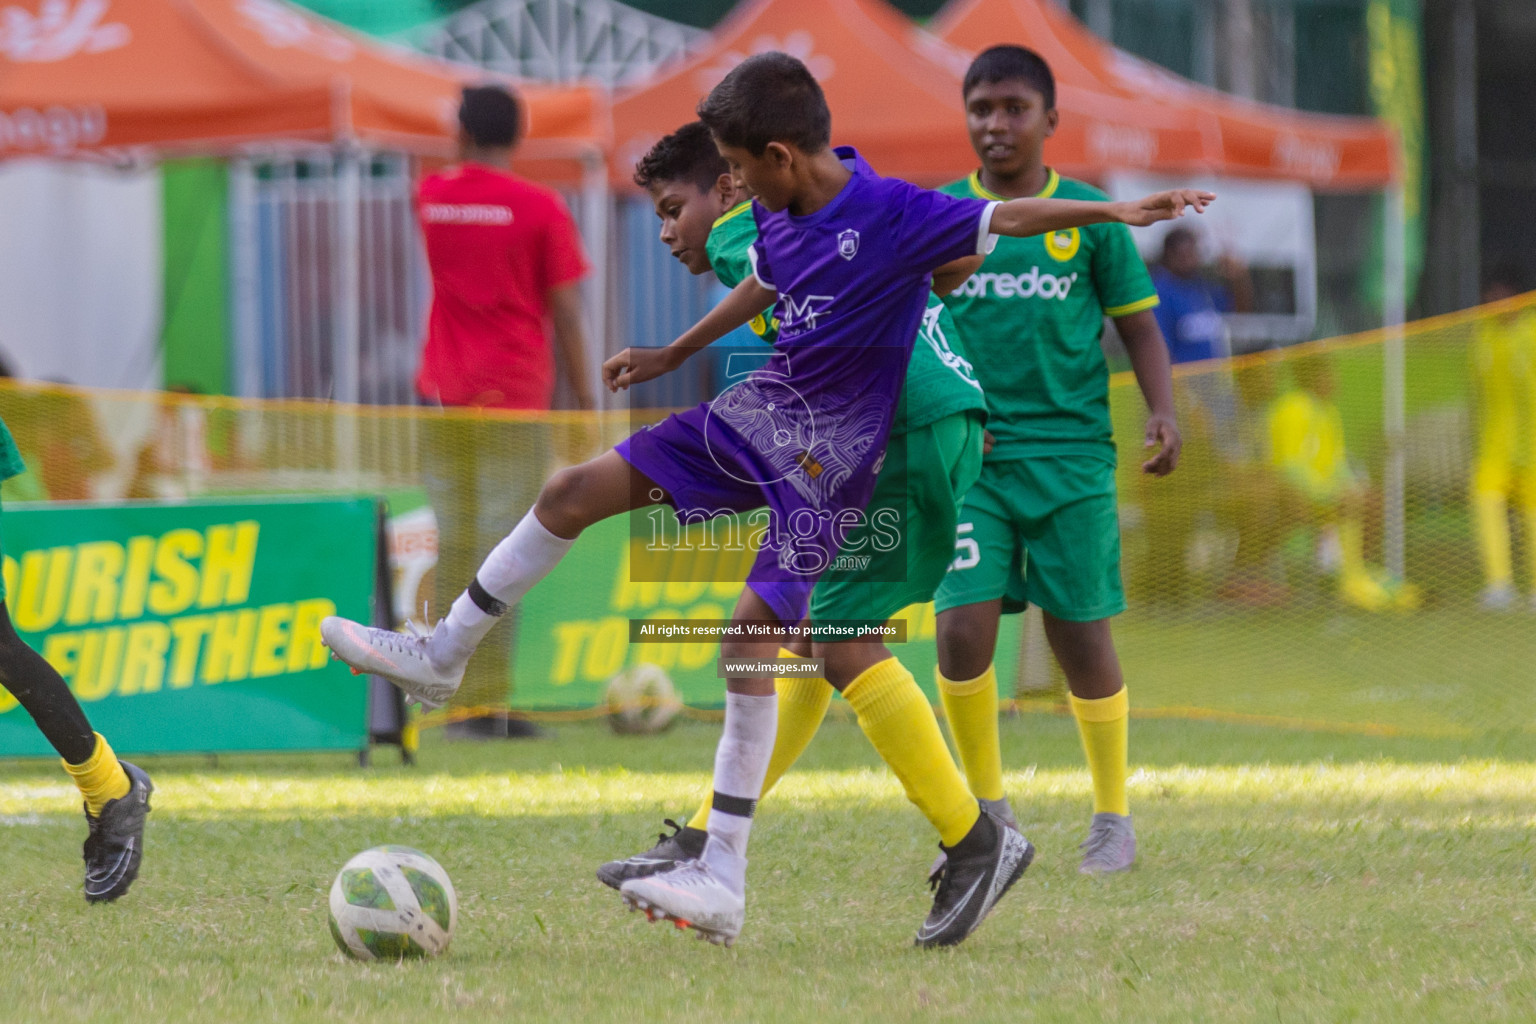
[(393, 903), (642, 700)]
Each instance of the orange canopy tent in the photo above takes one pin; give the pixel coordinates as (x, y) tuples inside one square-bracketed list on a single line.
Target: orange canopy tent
[(893, 89), (1123, 112), (97, 77), (83, 76)]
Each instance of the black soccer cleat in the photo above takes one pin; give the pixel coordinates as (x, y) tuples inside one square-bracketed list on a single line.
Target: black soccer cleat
[(685, 843), (976, 873), (116, 843)]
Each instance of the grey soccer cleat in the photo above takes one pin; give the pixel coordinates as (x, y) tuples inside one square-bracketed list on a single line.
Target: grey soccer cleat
[(689, 896), (399, 657), (685, 843), (116, 843), (1500, 597), (979, 870), (1110, 846)]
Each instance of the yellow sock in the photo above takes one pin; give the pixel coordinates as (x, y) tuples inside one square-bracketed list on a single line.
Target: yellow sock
[(802, 705), (100, 778), (899, 721), (1104, 726), (1491, 517), (971, 707)]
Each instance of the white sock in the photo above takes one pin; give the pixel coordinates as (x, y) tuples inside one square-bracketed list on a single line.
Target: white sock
[(741, 762), (524, 556)]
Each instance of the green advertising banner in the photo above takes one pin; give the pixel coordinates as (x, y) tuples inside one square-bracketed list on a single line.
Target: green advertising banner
[(193, 626), (573, 630)]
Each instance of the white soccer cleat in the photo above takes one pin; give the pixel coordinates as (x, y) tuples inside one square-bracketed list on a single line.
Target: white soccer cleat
[(689, 896), (399, 657)]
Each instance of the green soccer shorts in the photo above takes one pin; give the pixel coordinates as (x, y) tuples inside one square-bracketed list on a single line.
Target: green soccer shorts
[(926, 475), (1043, 530)]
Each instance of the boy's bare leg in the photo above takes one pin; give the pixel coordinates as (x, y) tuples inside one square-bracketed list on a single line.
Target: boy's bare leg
[(967, 638), (430, 669)]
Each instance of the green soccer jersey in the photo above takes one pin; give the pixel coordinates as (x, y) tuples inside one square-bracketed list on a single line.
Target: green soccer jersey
[(940, 381), (1033, 316)]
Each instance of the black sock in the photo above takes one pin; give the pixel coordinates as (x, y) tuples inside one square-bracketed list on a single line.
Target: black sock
[(979, 840), (44, 694)]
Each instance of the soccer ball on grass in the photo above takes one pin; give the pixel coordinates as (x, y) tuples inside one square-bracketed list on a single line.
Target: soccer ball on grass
[(392, 903), (642, 700)]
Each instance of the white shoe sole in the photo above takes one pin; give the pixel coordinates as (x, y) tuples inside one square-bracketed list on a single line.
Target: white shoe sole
[(653, 913)]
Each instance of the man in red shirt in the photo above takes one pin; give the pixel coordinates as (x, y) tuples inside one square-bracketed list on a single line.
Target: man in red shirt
[(506, 265)]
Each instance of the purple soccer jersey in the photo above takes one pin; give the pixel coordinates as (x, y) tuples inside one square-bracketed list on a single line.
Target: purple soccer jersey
[(804, 431)]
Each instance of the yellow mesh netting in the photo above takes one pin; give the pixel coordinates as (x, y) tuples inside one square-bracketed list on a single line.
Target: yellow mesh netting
[(1259, 575)]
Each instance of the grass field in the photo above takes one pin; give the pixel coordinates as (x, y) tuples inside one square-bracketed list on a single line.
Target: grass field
[(1284, 876), (1449, 671)]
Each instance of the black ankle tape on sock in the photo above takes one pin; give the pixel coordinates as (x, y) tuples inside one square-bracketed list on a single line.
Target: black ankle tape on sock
[(484, 601), (740, 806)]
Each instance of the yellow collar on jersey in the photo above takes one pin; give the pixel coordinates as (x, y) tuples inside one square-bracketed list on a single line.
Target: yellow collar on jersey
[(735, 211), (1052, 180)]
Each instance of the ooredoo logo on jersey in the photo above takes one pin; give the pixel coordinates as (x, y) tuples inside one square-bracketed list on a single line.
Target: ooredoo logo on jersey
[(1028, 285)]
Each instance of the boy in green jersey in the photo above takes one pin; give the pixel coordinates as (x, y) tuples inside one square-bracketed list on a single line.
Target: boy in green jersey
[(1041, 524), (115, 793), (707, 223)]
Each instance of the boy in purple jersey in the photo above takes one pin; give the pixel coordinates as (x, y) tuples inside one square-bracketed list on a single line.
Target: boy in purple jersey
[(845, 257)]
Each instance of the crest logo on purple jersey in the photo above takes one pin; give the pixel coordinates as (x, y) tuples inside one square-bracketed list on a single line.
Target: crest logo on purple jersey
[(848, 244)]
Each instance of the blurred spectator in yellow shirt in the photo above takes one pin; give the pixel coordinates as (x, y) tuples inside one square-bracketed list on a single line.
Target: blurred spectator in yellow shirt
[(1504, 377), (1307, 449)]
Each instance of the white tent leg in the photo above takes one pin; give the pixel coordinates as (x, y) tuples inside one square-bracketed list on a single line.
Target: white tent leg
[(596, 210), (1394, 312), (346, 339)]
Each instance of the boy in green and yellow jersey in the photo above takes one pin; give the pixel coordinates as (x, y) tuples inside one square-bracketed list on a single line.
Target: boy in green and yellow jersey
[(934, 457), (1041, 525), (116, 793)]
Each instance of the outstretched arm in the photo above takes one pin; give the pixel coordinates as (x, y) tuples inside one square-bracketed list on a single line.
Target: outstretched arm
[(1022, 218), (636, 365)]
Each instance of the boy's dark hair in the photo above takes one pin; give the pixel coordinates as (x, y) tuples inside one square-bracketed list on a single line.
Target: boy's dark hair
[(1177, 237), (688, 154), (770, 97), (1008, 63), (490, 116)]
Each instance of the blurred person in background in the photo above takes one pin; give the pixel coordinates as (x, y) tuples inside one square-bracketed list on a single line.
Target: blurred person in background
[(1307, 449), (1191, 314), (1193, 304), (175, 461), (57, 431), (1504, 379), (506, 264)]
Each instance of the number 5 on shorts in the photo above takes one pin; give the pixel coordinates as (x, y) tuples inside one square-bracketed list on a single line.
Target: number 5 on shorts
[(968, 552)]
